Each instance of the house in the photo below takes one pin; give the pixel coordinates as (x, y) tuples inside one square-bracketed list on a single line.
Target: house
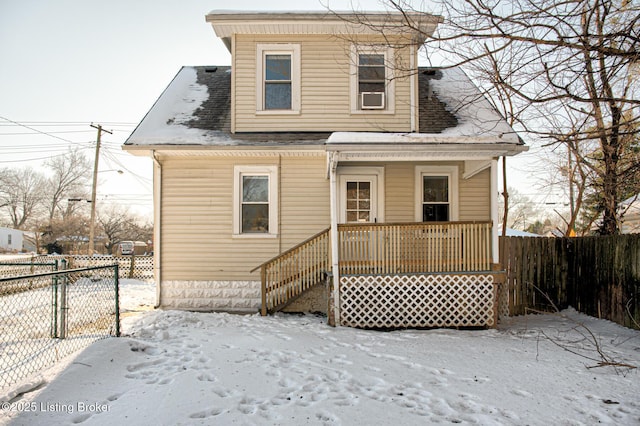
[(325, 157), (630, 223), (10, 240)]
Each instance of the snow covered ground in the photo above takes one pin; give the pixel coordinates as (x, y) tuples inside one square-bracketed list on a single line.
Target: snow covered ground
[(205, 368)]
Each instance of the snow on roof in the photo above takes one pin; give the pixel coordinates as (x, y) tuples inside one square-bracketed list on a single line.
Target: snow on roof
[(193, 108), (476, 116), (169, 120)]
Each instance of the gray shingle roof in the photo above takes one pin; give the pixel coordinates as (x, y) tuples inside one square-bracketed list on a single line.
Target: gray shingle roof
[(196, 106), (214, 113)]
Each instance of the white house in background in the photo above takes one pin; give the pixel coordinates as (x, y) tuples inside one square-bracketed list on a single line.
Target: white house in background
[(630, 223), (11, 239)]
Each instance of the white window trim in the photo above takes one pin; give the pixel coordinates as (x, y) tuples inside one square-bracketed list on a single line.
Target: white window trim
[(389, 60), (272, 173), (452, 173), (278, 49), (355, 172)]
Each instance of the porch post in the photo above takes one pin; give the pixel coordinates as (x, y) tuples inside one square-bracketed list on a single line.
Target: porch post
[(495, 254), (335, 255)]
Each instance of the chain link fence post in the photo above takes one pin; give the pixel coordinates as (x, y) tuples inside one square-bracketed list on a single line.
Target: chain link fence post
[(54, 304), (63, 303), (117, 297)]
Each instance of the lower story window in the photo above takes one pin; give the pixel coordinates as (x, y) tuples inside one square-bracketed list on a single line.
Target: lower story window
[(255, 203), (255, 195), (435, 198), (436, 193)]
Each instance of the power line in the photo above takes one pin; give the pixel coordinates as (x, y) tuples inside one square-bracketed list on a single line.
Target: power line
[(38, 131), (65, 123)]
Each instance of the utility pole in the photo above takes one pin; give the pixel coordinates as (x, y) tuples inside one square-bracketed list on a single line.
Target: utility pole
[(93, 188)]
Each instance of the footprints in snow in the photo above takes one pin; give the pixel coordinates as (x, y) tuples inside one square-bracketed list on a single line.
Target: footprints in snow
[(163, 364), (314, 379)]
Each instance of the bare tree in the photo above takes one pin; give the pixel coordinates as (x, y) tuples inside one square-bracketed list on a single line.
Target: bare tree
[(118, 224), (70, 178), (21, 194), (549, 57), (522, 212)]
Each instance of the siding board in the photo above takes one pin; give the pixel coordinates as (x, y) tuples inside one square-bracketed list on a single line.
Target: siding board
[(197, 240), (197, 210), (325, 89)]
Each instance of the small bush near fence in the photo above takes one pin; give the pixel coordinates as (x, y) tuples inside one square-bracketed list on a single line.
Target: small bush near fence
[(598, 276), (49, 315)]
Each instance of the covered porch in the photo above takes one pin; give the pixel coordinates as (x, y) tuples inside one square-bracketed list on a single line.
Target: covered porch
[(412, 240), (392, 275)]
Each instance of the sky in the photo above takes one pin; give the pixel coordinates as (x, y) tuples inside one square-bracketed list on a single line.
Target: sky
[(70, 63)]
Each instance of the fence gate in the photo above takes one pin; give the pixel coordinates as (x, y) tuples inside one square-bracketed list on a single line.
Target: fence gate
[(47, 316)]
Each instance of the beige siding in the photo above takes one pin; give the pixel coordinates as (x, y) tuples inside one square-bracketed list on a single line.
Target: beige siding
[(399, 192), (475, 197), (474, 193), (197, 216), (325, 89), (304, 203)]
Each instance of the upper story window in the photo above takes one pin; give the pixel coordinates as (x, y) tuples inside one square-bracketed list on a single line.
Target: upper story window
[(277, 82), (278, 78), (371, 72), (436, 193), (372, 85)]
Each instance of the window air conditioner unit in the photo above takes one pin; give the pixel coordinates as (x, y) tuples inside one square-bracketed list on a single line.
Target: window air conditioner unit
[(372, 100)]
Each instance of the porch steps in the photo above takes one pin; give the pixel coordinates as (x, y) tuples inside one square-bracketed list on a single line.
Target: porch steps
[(377, 252), (290, 274)]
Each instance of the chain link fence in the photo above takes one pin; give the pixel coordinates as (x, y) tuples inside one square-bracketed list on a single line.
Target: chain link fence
[(26, 266), (49, 315), (136, 267)]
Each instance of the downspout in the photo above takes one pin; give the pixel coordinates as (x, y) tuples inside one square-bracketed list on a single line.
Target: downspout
[(233, 83), (280, 203), (495, 251), (413, 88), (333, 206), (157, 226)]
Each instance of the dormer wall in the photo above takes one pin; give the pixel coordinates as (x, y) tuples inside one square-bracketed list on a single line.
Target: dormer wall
[(323, 82)]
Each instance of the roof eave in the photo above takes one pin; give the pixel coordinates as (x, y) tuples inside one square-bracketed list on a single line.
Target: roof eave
[(435, 150), (226, 23)]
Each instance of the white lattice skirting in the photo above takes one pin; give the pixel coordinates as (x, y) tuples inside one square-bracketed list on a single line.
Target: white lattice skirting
[(430, 300)]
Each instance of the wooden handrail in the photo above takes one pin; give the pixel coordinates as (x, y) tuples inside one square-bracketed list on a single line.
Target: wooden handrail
[(294, 248), (294, 271), (377, 248)]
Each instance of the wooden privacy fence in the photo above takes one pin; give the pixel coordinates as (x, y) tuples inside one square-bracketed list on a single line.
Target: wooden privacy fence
[(598, 276)]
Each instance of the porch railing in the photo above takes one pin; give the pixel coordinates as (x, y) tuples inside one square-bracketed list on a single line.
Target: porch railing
[(288, 275), (383, 248)]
